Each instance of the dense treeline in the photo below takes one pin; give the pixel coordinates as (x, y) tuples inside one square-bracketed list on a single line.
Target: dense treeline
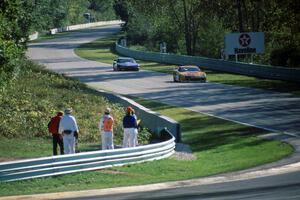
[(197, 27), (20, 18)]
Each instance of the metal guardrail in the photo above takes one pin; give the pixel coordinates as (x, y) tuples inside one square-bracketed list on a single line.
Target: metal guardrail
[(83, 26), (53, 31), (261, 71), (87, 161)]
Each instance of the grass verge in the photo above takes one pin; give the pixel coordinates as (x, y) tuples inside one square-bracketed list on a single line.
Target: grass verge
[(102, 50), (46, 36), (220, 146), (23, 148)]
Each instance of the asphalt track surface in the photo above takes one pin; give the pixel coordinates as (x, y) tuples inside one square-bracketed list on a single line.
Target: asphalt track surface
[(279, 112), (287, 187)]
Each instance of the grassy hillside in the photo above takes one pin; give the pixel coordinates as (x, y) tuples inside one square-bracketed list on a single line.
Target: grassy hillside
[(27, 104)]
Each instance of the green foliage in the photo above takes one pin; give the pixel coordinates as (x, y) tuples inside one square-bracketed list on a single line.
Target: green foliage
[(211, 39), (101, 10), (139, 32), (75, 10), (286, 56), (10, 62), (121, 10), (144, 136), (15, 20), (14, 28)]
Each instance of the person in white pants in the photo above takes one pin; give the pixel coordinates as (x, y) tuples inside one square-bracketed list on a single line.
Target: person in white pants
[(106, 130), (136, 130), (69, 129), (130, 129)]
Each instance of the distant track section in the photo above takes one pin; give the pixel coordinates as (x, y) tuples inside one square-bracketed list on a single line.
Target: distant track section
[(261, 71)]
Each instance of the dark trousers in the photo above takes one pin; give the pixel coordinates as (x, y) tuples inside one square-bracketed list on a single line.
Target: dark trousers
[(57, 141)]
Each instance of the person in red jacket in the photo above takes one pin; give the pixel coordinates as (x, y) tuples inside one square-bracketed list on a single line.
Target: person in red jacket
[(53, 126)]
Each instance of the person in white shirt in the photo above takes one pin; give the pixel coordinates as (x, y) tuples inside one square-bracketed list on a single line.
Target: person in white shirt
[(69, 129)]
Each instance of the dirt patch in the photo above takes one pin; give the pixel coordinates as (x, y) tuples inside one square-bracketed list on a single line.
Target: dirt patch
[(7, 159), (115, 172), (183, 152), (107, 171)]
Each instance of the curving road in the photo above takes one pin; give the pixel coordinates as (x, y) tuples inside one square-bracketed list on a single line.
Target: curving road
[(279, 112)]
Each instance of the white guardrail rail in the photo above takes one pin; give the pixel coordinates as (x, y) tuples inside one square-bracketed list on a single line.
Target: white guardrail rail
[(86, 161), (53, 31)]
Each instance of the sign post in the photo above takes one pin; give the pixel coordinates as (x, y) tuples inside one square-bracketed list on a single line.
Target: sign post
[(244, 43)]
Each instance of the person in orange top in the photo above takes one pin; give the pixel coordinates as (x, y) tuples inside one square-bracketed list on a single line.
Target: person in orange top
[(106, 129)]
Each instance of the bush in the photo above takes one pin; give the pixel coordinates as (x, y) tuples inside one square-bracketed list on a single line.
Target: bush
[(287, 56), (11, 58), (294, 58), (144, 136)]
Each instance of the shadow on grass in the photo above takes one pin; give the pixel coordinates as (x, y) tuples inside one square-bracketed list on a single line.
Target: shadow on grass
[(88, 148), (211, 134), (155, 106), (96, 45)]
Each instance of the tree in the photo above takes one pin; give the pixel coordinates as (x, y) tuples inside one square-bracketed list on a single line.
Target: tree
[(102, 9), (15, 20), (121, 10)]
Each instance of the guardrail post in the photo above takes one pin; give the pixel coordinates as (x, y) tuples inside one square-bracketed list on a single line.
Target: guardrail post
[(178, 131)]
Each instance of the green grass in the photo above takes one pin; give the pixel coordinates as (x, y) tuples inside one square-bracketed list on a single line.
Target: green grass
[(46, 36), (220, 146), (22, 148), (102, 50)]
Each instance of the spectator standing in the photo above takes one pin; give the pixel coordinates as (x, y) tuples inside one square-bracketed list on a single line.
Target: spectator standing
[(130, 127), (53, 126), (68, 127), (106, 130), (136, 130)]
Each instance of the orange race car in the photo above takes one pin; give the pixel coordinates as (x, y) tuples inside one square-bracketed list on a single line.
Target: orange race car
[(188, 73)]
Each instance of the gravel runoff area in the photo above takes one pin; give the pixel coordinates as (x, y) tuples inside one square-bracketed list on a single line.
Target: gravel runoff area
[(183, 152)]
